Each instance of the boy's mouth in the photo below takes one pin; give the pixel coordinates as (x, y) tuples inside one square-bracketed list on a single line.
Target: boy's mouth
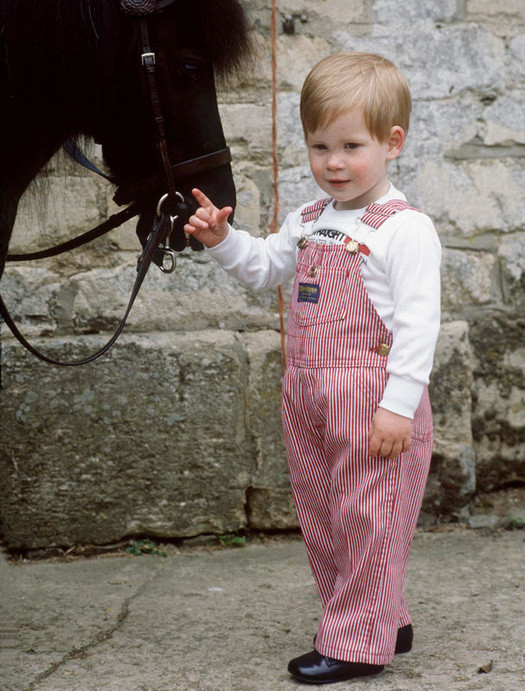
[(338, 183)]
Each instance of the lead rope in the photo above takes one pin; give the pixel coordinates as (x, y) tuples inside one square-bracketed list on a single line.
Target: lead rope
[(275, 169)]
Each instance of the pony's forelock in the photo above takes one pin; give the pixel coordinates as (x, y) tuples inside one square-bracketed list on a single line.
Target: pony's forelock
[(226, 34)]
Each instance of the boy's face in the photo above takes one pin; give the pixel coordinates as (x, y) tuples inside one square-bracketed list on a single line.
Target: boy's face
[(348, 164)]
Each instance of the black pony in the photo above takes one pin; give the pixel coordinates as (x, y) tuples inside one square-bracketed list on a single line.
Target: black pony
[(73, 67)]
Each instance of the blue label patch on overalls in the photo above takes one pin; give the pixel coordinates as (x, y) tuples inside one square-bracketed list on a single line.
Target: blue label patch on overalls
[(308, 292)]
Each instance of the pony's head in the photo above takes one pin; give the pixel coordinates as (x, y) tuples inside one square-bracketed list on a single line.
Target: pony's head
[(192, 41), (74, 67)]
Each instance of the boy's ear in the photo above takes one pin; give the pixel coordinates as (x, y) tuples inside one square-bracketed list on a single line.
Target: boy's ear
[(395, 142)]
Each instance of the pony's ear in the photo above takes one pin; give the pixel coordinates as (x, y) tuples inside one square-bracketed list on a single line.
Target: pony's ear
[(224, 26)]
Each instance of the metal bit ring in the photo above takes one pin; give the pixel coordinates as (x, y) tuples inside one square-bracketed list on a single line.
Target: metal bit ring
[(163, 199)]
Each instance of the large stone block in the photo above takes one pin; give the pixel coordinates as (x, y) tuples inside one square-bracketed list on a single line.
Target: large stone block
[(478, 125), (263, 396), (452, 479), (436, 126), (290, 137), (470, 197), (429, 58), (388, 11), (498, 399), (335, 11), (248, 208), (248, 129), (295, 58), (271, 508), (270, 504), (198, 295), (504, 121), (29, 293), (517, 53), (55, 209), (451, 384), (507, 10), (467, 279), (451, 482), (149, 440), (512, 257), (311, 16)]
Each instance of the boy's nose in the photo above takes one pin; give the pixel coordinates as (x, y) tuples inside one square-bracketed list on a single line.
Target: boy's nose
[(334, 161)]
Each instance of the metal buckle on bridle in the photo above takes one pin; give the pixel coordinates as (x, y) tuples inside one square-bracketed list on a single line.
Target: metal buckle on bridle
[(148, 59), (164, 248)]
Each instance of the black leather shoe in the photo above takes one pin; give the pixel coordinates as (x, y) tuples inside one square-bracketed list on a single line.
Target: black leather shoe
[(405, 636), (314, 668)]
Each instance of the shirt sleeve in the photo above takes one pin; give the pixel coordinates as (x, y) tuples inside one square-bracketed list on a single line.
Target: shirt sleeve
[(260, 263), (412, 270)]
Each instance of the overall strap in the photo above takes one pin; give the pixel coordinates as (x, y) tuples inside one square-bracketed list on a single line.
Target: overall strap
[(376, 214), (313, 211)]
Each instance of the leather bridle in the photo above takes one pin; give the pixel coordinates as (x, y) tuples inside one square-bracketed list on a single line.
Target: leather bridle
[(173, 208)]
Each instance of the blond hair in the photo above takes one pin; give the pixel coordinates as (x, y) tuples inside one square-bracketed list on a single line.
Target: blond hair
[(350, 81)]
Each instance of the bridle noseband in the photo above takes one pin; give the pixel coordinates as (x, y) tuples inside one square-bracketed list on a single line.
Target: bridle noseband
[(173, 208)]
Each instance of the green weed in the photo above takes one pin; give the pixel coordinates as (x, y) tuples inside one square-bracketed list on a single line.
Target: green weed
[(514, 523), (140, 547), (232, 540)]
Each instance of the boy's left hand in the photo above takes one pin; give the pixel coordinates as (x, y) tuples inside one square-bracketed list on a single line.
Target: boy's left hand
[(390, 434)]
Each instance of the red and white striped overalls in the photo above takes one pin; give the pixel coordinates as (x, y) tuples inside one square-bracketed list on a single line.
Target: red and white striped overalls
[(357, 514)]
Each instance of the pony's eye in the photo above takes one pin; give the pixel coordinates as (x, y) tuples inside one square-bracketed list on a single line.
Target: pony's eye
[(189, 70)]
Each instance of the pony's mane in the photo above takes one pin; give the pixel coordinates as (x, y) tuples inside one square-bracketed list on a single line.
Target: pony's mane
[(47, 48), (45, 44)]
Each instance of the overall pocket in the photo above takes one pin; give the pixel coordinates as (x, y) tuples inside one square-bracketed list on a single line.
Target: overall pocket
[(422, 427), (320, 295)]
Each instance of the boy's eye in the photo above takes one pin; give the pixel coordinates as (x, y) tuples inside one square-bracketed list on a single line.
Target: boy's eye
[(351, 145), (319, 147)]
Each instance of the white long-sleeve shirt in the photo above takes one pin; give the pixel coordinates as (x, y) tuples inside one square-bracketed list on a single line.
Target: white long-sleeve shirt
[(401, 276)]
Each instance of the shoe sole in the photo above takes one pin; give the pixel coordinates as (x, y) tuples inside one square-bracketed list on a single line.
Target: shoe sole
[(309, 680), (403, 651)]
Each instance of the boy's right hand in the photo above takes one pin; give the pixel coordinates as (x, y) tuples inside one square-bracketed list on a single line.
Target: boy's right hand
[(208, 224)]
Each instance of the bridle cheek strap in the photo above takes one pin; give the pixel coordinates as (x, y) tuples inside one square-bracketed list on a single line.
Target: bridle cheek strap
[(149, 80), (184, 169)]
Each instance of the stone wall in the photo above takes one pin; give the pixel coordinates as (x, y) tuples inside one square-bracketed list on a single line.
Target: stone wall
[(176, 432)]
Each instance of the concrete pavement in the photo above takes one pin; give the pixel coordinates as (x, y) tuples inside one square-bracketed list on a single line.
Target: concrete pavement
[(230, 619)]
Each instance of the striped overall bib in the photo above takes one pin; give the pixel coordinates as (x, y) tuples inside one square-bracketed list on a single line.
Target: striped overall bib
[(357, 514)]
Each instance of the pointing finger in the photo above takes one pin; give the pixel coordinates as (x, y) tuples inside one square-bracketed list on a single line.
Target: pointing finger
[(201, 197)]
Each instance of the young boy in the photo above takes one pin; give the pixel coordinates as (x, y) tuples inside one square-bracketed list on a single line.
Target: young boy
[(363, 323)]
